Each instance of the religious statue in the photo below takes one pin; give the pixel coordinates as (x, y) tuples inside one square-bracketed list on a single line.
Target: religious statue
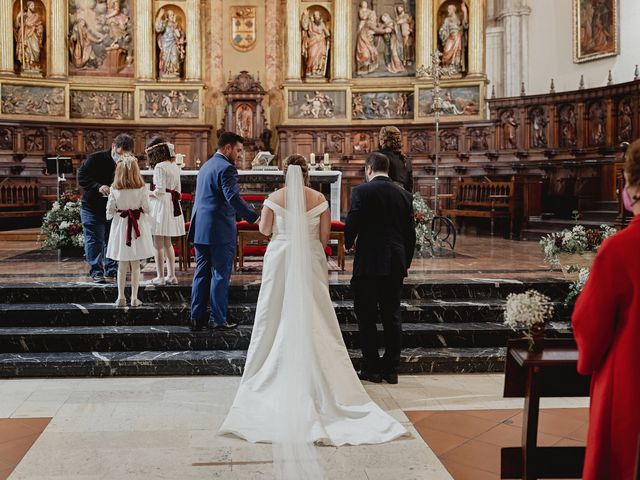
[(568, 127), (244, 121), (539, 124), (81, 43), (391, 45), (366, 50), (479, 140), (315, 44), (510, 129), (171, 42), (598, 121), (29, 34), (405, 28), (453, 35), (625, 122)]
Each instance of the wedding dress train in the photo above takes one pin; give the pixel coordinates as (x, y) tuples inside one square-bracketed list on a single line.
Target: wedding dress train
[(299, 384)]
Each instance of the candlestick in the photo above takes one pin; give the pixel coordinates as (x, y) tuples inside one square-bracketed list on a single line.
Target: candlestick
[(312, 158)]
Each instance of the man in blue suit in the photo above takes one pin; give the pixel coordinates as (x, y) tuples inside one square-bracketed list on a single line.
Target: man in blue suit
[(213, 231)]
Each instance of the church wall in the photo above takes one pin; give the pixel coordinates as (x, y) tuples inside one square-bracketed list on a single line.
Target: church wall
[(551, 48)]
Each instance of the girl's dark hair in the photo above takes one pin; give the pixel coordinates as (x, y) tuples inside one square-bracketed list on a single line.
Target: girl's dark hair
[(299, 160), (157, 152)]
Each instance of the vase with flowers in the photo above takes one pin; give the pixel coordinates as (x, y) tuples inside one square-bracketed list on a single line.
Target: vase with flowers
[(62, 227), (425, 236), (528, 312)]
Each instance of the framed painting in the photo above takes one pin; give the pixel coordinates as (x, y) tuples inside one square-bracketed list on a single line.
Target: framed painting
[(463, 101), (317, 105), (382, 105), (595, 29)]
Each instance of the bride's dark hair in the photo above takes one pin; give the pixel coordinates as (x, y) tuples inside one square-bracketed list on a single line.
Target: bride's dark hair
[(299, 160)]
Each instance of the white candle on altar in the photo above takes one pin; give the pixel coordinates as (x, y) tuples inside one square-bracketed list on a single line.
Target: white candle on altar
[(312, 158), (325, 159)]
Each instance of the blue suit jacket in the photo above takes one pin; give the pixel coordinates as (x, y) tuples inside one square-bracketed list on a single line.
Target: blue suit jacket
[(213, 219)]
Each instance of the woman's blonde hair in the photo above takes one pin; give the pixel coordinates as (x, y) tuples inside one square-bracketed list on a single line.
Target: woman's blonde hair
[(299, 160), (127, 174), (632, 164)]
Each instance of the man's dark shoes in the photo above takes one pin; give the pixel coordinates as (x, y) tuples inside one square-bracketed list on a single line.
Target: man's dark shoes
[(370, 377), (225, 326), (198, 327), (390, 377)]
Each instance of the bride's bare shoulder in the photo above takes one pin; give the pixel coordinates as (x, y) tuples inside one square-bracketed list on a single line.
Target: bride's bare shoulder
[(277, 197)]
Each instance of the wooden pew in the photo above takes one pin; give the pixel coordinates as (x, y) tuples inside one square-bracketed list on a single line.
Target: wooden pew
[(484, 199), (19, 198), (532, 375)]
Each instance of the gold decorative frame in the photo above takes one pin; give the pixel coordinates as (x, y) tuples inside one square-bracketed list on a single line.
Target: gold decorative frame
[(578, 55), (36, 84)]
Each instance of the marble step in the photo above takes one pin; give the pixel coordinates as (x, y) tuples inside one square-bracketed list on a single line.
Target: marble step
[(179, 338), (489, 287), (223, 362), (178, 313)]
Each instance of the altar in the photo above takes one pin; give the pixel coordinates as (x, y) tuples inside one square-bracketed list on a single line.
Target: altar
[(272, 179)]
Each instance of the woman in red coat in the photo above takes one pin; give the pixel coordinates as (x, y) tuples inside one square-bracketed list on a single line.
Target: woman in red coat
[(606, 324)]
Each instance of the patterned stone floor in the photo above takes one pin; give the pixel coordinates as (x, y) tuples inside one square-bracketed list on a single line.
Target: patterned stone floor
[(484, 257), (165, 428)]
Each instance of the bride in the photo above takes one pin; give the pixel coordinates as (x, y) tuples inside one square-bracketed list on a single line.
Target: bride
[(299, 386)]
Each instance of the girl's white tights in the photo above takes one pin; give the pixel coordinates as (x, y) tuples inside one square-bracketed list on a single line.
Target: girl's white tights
[(164, 250), (134, 267)]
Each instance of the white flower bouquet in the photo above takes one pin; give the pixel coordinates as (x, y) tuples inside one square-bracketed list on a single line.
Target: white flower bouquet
[(528, 312), (577, 286), (423, 216), (61, 226), (578, 240)]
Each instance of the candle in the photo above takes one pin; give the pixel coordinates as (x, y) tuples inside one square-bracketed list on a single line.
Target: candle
[(326, 158), (312, 158)]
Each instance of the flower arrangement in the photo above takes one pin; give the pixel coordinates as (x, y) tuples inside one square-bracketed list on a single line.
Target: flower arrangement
[(61, 226), (528, 311), (423, 216), (577, 286), (578, 240)]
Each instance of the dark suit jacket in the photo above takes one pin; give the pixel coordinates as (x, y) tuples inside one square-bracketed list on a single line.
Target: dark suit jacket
[(400, 168), (97, 170), (213, 219), (381, 220)]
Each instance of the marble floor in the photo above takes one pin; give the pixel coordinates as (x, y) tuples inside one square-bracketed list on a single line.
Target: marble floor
[(486, 257), (165, 428)]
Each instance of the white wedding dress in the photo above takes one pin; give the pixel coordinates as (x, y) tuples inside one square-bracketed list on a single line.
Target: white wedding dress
[(299, 386)]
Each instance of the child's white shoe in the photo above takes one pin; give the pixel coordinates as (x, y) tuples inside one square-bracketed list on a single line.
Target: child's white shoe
[(121, 302), (135, 302), (171, 280), (159, 281)]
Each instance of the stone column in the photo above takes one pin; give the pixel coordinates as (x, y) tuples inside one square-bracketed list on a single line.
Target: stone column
[(58, 64), (476, 37), (193, 66), (341, 53), (424, 32), (495, 58), (514, 18), (144, 46), (6, 37), (294, 50)]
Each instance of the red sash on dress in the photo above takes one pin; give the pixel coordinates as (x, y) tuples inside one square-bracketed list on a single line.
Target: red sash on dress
[(132, 223), (175, 198)]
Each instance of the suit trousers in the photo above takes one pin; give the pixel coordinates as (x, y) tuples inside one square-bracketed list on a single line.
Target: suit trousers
[(378, 297), (211, 282)]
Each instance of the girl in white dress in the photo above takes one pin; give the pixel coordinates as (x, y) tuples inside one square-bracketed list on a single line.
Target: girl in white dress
[(130, 235), (299, 385), (166, 212)]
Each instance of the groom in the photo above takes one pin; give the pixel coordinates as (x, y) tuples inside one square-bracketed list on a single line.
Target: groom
[(381, 225), (213, 231)]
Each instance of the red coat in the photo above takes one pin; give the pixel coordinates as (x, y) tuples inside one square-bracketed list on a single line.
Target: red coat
[(606, 323)]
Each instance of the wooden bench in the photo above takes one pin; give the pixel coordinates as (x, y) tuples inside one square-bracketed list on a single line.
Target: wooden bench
[(19, 198), (484, 199), (532, 375)]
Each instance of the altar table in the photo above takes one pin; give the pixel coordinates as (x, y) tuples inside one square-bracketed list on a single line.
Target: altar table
[(276, 178)]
